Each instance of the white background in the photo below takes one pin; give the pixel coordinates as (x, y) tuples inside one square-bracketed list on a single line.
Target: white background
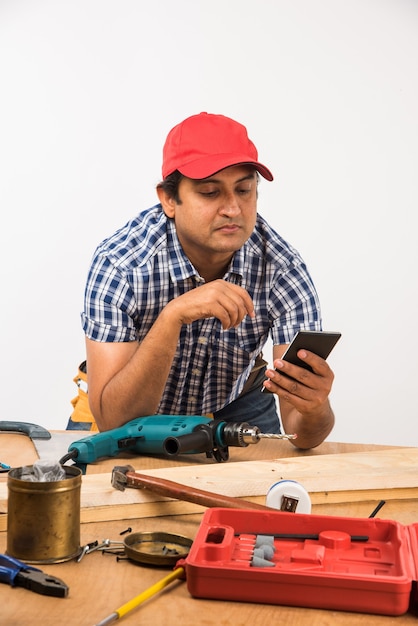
[(328, 90)]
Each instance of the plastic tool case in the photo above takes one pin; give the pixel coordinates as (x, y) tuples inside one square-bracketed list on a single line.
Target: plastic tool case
[(352, 564)]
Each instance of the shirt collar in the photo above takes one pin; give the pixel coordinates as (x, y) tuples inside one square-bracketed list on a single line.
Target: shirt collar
[(179, 265)]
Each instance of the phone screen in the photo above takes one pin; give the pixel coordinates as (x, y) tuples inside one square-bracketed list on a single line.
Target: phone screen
[(319, 342)]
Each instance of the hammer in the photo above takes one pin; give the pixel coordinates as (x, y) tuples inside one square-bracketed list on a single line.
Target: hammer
[(125, 476)]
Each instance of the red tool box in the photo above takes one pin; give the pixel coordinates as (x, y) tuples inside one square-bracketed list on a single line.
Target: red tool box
[(365, 565)]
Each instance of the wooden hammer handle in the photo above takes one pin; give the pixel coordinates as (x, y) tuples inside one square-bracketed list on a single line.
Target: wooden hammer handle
[(171, 489)]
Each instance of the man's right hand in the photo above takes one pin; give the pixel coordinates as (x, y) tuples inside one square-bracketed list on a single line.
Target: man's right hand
[(227, 302)]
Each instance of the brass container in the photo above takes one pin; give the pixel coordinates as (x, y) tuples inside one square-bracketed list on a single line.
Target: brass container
[(43, 518)]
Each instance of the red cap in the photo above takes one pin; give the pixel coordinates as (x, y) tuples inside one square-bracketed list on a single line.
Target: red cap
[(204, 144)]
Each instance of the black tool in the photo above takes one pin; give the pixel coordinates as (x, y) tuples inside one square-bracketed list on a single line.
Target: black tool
[(18, 574), (377, 509)]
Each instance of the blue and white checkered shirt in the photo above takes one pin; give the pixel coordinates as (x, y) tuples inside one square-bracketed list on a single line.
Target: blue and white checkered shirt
[(139, 269)]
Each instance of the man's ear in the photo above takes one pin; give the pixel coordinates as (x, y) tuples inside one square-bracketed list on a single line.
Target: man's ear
[(167, 202)]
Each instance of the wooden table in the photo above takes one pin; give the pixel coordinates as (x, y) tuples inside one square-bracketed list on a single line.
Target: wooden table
[(99, 584)]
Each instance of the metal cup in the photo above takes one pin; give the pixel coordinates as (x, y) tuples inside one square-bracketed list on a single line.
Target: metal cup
[(43, 518)]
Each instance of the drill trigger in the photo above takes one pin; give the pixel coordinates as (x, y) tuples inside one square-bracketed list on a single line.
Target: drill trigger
[(129, 442)]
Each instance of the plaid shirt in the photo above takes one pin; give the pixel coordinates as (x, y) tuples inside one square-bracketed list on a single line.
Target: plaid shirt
[(138, 270)]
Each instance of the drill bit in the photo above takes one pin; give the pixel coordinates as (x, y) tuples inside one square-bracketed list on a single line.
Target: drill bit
[(277, 436), (244, 434)]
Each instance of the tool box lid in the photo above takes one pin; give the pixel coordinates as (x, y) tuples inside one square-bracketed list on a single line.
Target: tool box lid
[(365, 565)]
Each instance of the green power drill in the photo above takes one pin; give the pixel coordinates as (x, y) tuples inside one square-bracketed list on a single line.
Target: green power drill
[(168, 435)]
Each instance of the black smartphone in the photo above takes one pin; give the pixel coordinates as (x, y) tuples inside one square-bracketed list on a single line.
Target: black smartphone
[(320, 342)]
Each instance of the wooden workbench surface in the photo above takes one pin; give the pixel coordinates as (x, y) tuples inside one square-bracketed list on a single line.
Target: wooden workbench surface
[(99, 583)]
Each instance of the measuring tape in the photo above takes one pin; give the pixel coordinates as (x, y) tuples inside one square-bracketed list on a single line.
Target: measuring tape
[(290, 496)]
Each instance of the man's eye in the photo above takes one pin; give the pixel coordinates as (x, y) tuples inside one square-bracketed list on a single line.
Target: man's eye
[(243, 191), (208, 194)]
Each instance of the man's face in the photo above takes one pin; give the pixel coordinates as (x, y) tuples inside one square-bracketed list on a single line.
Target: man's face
[(216, 215)]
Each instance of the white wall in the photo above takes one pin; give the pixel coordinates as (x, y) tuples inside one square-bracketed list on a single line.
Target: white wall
[(329, 92)]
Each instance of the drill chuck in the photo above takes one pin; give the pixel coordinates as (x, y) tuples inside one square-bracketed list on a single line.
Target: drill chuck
[(240, 435)]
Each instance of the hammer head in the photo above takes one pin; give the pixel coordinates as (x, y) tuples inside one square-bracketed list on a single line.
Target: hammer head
[(119, 479)]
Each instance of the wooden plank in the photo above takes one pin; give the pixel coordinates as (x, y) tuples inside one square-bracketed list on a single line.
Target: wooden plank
[(336, 478), (329, 479), (383, 469)]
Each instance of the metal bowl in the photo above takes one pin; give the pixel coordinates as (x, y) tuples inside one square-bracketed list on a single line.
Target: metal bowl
[(156, 548)]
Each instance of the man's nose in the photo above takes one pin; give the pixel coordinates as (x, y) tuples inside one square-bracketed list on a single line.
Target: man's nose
[(231, 204)]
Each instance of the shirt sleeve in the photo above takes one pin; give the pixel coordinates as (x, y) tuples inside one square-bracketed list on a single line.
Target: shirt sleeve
[(294, 303), (108, 302)]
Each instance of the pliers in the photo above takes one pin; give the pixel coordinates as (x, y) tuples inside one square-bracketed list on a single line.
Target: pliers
[(16, 573)]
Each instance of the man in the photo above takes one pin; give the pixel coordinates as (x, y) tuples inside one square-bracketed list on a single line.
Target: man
[(180, 301)]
